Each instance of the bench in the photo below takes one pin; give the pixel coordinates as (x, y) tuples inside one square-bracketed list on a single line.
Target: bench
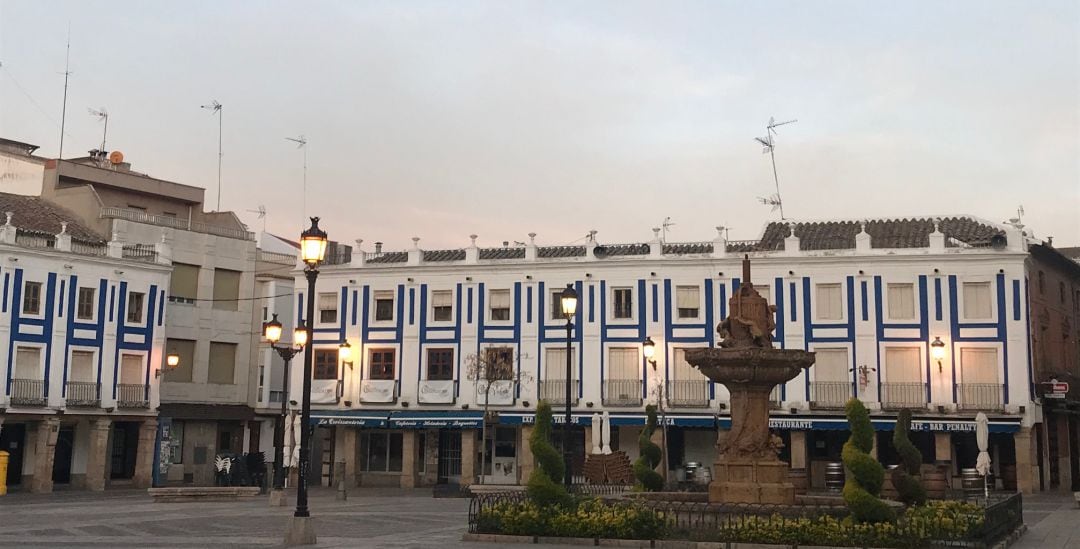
[(201, 493)]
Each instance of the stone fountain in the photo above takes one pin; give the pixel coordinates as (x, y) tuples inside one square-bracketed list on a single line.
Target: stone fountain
[(747, 468)]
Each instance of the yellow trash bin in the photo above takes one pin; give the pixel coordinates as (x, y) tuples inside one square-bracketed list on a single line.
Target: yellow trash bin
[(3, 472)]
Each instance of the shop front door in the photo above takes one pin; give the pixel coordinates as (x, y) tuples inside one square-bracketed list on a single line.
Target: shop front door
[(449, 456)]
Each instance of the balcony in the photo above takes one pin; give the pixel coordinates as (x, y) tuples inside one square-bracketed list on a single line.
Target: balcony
[(895, 396), (554, 391), (27, 392), (622, 392), (690, 393), (138, 216), (829, 395), (985, 397), (82, 394), (131, 395)]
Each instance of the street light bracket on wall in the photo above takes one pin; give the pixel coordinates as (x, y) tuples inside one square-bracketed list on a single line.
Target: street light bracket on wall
[(937, 351)]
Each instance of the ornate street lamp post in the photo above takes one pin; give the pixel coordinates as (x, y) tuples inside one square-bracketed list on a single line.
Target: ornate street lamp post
[(272, 333), (312, 251), (568, 299), (648, 348)]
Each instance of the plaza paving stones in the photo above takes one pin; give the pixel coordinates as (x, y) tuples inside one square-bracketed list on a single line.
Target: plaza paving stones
[(369, 518), (1053, 522)]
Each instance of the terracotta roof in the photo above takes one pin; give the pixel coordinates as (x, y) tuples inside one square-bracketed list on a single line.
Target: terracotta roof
[(560, 251), (444, 255), (502, 253), (621, 249), (689, 248), (35, 214), (1071, 252), (887, 233), (391, 257)]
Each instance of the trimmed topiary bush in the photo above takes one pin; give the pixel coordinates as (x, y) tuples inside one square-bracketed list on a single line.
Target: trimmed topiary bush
[(863, 485), (905, 478), (544, 486), (651, 454)]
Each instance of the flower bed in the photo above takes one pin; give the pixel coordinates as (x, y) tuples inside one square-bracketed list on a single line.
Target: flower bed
[(953, 522)]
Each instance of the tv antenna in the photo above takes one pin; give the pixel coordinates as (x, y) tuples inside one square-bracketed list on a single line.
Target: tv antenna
[(1017, 221), (301, 143), (769, 144), (102, 115), (63, 111), (216, 108), (665, 225), (261, 211)]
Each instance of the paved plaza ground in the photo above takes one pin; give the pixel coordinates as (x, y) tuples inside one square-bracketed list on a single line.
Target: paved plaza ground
[(370, 518)]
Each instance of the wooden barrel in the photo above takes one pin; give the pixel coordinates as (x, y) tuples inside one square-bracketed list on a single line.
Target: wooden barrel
[(1008, 477), (797, 477), (971, 482), (834, 476), (936, 483)]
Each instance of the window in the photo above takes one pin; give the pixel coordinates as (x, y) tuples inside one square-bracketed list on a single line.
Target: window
[(623, 364), (222, 363), (440, 364), (226, 289), (1061, 291), (381, 365), (687, 301), (380, 452), (384, 306), (28, 363), (1042, 282), (499, 361), (442, 305), (185, 349), (499, 304), (556, 305), (131, 369), (829, 304), (555, 367), (262, 383), (31, 304), (901, 301), (977, 300), (81, 368), (623, 299), (176, 441), (978, 365), (683, 371), (326, 364), (831, 365), (328, 308), (135, 307), (84, 309), (902, 365), (184, 284)]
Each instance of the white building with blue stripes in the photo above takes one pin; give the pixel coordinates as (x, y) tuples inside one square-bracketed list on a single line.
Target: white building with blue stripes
[(81, 344), (921, 313)]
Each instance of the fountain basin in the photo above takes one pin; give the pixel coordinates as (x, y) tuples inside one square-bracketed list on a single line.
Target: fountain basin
[(750, 366)]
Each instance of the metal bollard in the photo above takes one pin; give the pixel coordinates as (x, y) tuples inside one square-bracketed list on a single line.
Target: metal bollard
[(3, 472)]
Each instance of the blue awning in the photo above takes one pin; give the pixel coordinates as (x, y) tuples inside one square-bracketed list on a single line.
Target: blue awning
[(675, 420), (356, 418), (436, 419), (838, 423)]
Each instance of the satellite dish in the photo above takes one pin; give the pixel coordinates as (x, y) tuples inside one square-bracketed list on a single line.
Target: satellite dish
[(998, 242), (116, 157), (600, 251)]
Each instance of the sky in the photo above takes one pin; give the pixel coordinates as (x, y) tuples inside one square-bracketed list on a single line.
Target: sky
[(443, 119)]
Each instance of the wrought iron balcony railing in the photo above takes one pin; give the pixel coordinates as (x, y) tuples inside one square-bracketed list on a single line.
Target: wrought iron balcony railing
[(27, 392), (980, 396), (131, 395), (688, 392), (829, 394), (903, 395), (82, 393), (554, 391), (622, 392)]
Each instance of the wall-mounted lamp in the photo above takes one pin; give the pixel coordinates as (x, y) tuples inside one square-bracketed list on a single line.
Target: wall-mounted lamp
[(528, 277), (791, 273), (588, 275), (648, 348), (937, 352), (861, 272), (409, 280), (172, 360), (468, 279), (344, 353), (720, 274)]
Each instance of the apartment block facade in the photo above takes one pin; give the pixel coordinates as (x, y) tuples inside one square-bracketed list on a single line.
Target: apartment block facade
[(873, 299)]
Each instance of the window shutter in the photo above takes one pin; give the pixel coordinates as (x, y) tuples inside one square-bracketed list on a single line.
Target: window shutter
[(222, 363), (686, 297), (901, 301), (226, 289), (442, 299), (977, 300), (500, 299), (28, 363), (185, 281), (831, 365), (902, 365), (82, 366), (978, 365), (623, 364), (131, 370)]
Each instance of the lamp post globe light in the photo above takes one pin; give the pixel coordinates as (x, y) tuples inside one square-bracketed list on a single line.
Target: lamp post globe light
[(568, 300), (301, 531), (272, 333)]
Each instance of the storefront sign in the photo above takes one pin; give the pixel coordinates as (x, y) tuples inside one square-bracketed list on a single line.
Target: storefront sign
[(883, 424), (435, 423), (1055, 389)]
